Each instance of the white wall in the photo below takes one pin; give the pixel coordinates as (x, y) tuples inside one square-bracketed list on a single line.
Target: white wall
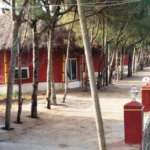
[(27, 88)]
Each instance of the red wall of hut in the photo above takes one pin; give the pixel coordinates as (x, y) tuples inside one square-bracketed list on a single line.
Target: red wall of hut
[(58, 63)]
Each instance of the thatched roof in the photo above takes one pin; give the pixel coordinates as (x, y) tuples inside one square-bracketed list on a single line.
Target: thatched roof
[(5, 31), (61, 35), (60, 41)]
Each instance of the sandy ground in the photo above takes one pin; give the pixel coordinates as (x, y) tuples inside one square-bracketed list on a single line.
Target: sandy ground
[(72, 126)]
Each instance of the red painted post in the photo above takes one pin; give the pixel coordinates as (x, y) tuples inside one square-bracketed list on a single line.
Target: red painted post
[(146, 97), (133, 122)]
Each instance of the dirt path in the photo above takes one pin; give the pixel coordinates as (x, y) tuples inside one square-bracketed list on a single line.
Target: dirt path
[(72, 126)]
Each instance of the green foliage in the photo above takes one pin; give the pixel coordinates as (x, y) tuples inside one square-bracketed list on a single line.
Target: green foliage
[(36, 11), (129, 22), (135, 19)]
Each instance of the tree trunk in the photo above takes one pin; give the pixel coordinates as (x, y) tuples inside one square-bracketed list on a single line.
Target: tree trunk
[(105, 74), (88, 55), (49, 62), (141, 60), (129, 65), (122, 64), (66, 68), (110, 75), (53, 90), (67, 60), (82, 70), (107, 62), (136, 63), (35, 72), (85, 79), (138, 59), (117, 65), (20, 99), (111, 67), (11, 76), (133, 61)]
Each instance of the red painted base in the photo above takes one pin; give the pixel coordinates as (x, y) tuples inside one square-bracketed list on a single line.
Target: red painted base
[(146, 97), (133, 122)]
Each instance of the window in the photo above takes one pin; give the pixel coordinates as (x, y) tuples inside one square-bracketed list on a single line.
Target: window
[(24, 73), (72, 69)]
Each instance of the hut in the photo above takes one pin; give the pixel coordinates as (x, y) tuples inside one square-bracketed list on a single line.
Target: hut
[(77, 65)]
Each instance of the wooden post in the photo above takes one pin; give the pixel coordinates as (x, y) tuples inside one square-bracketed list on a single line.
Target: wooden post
[(94, 94)]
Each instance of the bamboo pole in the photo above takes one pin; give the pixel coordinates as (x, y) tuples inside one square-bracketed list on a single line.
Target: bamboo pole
[(94, 94)]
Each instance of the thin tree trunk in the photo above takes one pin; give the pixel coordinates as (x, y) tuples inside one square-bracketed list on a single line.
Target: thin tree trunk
[(67, 60), (49, 62), (86, 79), (108, 62), (88, 55), (16, 25), (141, 60), (20, 99), (122, 64), (111, 67), (53, 90), (11, 76), (138, 60), (105, 74), (110, 75), (117, 65), (35, 72), (136, 63), (129, 65), (82, 70), (103, 77), (66, 68), (133, 61)]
